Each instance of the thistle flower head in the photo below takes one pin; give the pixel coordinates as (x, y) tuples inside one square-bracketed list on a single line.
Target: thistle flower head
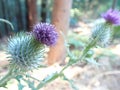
[(102, 32), (45, 33), (112, 16), (25, 52)]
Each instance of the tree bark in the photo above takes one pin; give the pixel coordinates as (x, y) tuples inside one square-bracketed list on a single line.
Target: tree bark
[(60, 18), (44, 12), (32, 13)]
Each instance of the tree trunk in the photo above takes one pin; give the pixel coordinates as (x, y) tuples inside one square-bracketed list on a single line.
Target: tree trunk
[(44, 12), (60, 18), (32, 13)]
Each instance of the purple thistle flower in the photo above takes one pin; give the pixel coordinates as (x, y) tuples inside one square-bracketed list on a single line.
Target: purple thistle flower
[(112, 16), (45, 33)]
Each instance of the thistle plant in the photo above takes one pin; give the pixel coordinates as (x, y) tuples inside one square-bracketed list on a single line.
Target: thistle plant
[(27, 49), (101, 34)]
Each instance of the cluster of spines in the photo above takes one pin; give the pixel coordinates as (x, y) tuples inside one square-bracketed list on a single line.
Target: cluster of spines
[(104, 32), (25, 52)]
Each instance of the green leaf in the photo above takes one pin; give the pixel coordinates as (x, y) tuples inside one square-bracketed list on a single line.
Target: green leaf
[(48, 79), (51, 77), (90, 53), (71, 82), (31, 84), (18, 77), (20, 86), (91, 60), (8, 22)]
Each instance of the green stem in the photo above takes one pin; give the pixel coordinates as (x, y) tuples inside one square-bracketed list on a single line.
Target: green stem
[(33, 78), (88, 47), (47, 80), (84, 53), (6, 78), (56, 75), (65, 68)]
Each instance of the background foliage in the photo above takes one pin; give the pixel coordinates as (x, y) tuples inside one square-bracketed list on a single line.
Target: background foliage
[(16, 12)]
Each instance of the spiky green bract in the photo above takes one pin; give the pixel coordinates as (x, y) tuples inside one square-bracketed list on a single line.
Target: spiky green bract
[(25, 52), (102, 31)]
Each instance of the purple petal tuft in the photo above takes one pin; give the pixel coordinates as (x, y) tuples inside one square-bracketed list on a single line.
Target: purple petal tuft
[(45, 33), (112, 16)]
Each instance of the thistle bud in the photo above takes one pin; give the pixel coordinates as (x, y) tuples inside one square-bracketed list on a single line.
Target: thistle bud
[(102, 32), (25, 52)]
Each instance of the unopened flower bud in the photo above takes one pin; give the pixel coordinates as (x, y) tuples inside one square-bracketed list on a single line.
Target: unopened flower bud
[(102, 32), (25, 52)]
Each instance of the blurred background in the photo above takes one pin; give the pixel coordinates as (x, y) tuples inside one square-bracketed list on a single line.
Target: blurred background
[(17, 12), (23, 14)]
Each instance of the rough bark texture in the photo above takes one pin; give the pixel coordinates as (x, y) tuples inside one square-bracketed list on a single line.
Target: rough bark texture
[(32, 13), (60, 18)]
